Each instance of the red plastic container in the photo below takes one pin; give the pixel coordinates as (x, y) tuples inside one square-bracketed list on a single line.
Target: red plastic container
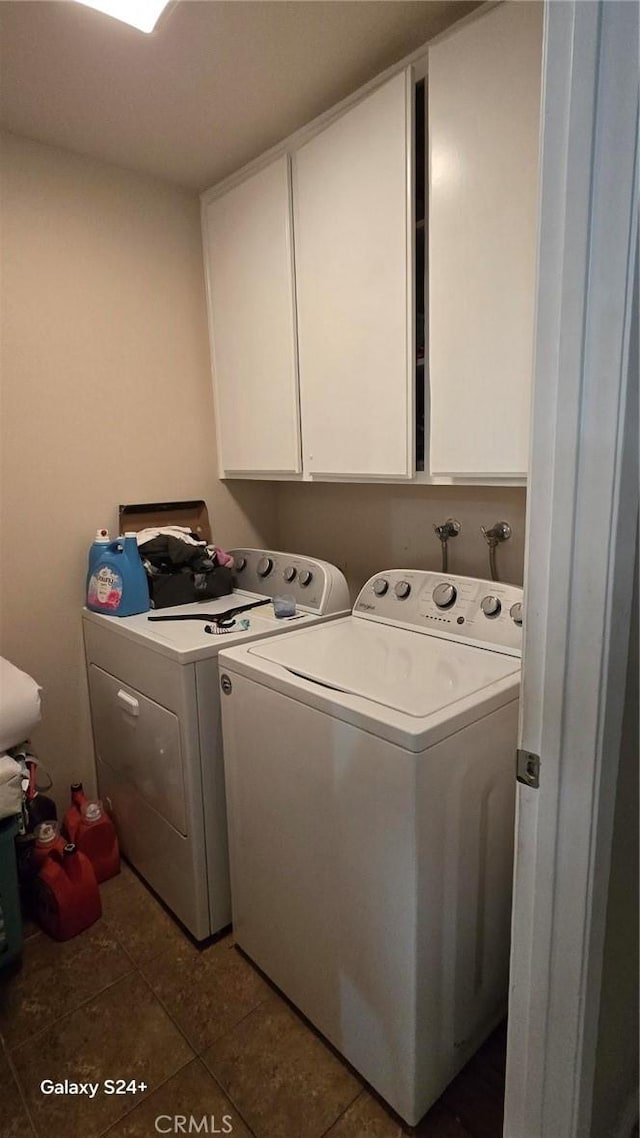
[(88, 826), (48, 838), (67, 899)]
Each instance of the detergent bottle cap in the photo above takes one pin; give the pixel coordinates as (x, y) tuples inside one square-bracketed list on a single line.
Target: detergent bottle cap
[(91, 811), (46, 833), (69, 849), (102, 535)]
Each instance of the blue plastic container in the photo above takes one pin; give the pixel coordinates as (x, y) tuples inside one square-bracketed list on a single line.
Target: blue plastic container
[(10, 916), (117, 582)]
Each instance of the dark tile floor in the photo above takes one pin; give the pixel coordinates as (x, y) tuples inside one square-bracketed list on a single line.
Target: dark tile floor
[(133, 998)]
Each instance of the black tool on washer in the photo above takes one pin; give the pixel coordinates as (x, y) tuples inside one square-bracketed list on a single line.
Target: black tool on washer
[(224, 619)]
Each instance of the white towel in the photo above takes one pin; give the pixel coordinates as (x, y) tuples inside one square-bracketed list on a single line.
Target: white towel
[(19, 705), (181, 532)]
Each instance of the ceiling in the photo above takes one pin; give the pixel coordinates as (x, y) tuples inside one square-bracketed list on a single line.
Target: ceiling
[(217, 83)]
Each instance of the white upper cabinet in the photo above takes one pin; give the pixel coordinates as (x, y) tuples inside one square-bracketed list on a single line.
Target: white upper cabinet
[(249, 264), (484, 111), (353, 252)]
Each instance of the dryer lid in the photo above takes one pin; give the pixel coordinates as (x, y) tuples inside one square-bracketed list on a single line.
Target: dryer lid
[(412, 674)]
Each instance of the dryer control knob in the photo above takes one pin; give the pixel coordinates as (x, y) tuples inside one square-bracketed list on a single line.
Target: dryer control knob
[(515, 612), (306, 577), (264, 566), (241, 564), (290, 573), (490, 606), (402, 590), (380, 586), (445, 594)]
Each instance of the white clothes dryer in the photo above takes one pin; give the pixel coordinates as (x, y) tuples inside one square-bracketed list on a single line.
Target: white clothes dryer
[(155, 710), (370, 773)]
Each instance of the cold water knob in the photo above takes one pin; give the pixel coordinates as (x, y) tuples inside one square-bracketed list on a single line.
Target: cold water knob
[(264, 566), (402, 590), (306, 578), (380, 586), (445, 594), (490, 606), (289, 573), (515, 612)]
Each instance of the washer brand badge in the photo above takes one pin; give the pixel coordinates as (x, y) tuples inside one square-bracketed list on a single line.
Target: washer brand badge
[(367, 606), (225, 684)]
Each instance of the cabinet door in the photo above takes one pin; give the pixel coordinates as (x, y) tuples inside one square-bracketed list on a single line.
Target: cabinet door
[(354, 290), (249, 260), (484, 111)]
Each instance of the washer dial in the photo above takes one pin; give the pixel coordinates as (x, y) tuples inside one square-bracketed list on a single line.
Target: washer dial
[(402, 590), (380, 586), (445, 594), (264, 567), (306, 577), (515, 612), (490, 606), (289, 573), (241, 563)]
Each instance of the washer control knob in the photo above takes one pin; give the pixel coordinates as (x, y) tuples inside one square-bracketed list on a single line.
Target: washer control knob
[(445, 594), (289, 573), (241, 564), (402, 590), (264, 566), (380, 586), (515, 612), (306, 577), (490, 606)]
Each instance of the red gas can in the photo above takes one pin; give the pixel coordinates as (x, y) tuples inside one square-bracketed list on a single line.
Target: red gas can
[(90, 828), (67, 899)]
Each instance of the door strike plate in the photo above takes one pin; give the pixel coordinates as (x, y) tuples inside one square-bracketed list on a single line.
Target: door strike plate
[(528, 768)]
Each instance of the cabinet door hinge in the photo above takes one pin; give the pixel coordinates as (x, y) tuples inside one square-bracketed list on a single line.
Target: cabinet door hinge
[(528, 768)]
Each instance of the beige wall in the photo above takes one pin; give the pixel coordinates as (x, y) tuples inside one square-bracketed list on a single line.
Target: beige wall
[(365, 528), (105, 399)]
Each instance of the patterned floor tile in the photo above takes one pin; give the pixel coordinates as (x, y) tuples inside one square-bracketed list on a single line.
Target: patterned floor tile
[(281, 1076), (14, 1122), (207, 991), (191, 1094), (137, 920), (122, 1033), (56, 978)]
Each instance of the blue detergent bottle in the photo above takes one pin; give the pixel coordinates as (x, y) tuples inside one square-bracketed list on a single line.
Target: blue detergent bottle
[(117, 581)]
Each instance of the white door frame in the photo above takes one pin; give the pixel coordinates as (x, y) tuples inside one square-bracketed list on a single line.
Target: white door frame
[(582, 532)]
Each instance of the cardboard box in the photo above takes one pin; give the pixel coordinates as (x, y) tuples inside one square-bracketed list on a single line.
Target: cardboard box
[(194, 515), (181, 585)]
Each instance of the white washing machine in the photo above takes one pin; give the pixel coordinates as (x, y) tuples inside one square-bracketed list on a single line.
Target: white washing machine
[(370, 772), (155, 709)]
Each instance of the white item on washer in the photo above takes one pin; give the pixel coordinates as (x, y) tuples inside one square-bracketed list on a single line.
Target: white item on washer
[(19, 705), (370, 773), (155, 710)]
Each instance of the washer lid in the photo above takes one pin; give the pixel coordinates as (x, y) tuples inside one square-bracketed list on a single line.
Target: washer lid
[(415, 675)]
